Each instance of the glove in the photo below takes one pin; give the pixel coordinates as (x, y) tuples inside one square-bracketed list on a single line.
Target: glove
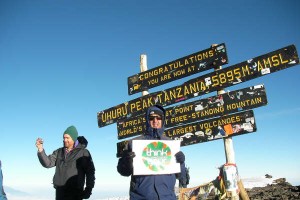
[(180, 158), (86, 193), (128, 159), (128, 154), (125, 164)]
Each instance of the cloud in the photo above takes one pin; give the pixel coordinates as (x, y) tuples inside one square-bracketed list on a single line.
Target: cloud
[(14, 194), (17, 197), (9, 190)]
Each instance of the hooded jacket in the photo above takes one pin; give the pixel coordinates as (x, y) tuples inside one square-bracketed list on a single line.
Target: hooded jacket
[(149, 187), (73, 168)]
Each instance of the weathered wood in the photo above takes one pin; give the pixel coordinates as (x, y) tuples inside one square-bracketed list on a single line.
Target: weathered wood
[(250, 69), (199, 110), (143, 67), (243, 193), (177, 69), (228, 145)]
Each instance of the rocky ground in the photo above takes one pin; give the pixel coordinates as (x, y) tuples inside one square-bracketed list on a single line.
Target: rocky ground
[(279, 189)]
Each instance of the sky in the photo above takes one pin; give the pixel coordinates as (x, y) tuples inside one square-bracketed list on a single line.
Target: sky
[(61, 62)]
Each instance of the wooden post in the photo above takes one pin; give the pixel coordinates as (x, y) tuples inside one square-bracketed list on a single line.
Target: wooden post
[(143, 67), (243, 192), (230, 156), (228, 145)]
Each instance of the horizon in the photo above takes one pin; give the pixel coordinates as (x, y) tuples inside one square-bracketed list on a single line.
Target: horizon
[(248, 183)]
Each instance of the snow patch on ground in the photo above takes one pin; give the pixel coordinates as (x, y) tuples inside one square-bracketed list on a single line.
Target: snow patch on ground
[(257, 182)]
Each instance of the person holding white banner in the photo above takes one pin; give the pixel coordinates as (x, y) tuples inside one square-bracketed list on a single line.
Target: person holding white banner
[(150, 187)]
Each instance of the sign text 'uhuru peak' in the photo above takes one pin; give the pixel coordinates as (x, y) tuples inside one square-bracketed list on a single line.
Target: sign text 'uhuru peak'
[(250, 69)]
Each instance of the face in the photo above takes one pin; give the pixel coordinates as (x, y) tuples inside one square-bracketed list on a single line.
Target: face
[(155, 121), (68, 141)]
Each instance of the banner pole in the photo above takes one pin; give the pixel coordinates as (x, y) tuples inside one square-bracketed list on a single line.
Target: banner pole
[(228, 144), (143, 67)]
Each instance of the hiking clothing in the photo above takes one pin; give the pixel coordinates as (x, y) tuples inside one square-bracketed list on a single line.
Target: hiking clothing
[(182, 178), (180, 157), (73, 169), (148, 187)]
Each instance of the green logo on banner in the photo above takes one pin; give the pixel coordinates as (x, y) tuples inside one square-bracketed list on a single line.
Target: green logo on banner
[(156, 156)]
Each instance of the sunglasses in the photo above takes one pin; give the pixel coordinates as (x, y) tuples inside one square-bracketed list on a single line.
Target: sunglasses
[(155, 117)]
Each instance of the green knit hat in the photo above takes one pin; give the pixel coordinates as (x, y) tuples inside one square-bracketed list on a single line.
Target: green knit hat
[(72, 131)]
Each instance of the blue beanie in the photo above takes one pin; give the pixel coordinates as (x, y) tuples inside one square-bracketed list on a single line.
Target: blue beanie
[(72, 131)]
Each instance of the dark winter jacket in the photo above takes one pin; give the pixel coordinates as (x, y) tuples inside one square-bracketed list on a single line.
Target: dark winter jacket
[(182, 177), (72, 169), (148, 187)]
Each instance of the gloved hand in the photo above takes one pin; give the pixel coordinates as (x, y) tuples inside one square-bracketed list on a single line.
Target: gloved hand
[(128, 154), (128, 159), (180, 158), (125, 164), (86, 193)]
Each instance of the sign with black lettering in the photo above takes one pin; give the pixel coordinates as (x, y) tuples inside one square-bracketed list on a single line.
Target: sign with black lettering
[(121, 148), (244, 71), (213, 129), (177, 69), (208, 130), (214, 106)]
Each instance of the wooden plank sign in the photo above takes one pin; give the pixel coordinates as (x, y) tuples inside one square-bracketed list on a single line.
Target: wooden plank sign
[(208, 130), (230, 102), (213, 129), (244, 71), (177, 69)]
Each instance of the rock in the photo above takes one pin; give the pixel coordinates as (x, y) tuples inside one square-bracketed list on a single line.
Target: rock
[(280, 180), (279, 190), (268, 176)]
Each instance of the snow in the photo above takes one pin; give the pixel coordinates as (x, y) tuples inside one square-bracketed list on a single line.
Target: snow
[(257, 182)]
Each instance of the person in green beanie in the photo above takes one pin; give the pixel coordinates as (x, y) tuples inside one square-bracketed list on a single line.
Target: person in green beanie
[(74, 166)]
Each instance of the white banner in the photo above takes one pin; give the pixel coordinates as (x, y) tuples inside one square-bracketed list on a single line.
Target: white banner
[(155, 157)]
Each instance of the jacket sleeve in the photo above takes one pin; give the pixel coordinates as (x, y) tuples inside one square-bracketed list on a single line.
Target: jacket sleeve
[(89, 169), (48, 161), (182, 174)]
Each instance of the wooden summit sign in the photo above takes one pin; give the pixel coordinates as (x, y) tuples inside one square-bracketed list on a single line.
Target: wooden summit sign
[(212, 129), (214, 106), (208, 130), (177, 69), (250, 69)]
